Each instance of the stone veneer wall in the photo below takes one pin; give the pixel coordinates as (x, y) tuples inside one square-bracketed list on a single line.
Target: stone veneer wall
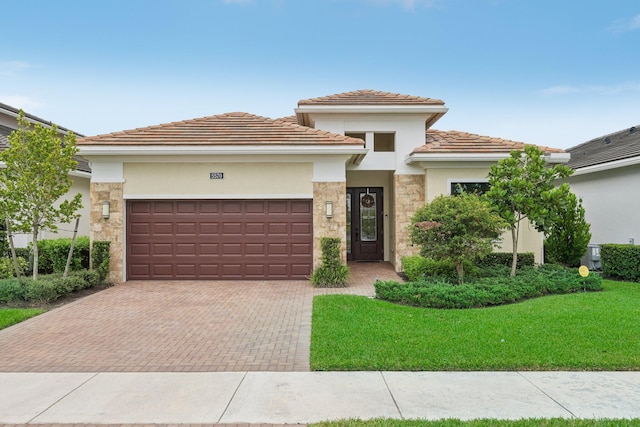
[(109, 229), (335, 192), (409, 195)]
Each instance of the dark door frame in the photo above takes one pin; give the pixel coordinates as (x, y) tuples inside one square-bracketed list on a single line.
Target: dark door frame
[(358, 249)]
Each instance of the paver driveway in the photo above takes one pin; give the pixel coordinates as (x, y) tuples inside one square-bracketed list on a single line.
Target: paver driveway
[(178, 326)]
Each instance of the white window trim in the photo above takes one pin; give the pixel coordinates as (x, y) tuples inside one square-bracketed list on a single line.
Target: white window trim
[(464, 181)]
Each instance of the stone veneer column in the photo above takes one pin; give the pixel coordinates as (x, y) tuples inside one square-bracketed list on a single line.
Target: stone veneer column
[(335, 192), (409, 195), (109, 229)]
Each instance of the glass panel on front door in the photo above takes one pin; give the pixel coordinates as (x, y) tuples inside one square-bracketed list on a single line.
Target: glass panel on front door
[(348, 224), (368, 218)]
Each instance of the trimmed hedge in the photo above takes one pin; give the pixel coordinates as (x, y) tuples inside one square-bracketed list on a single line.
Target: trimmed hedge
[(47, 288), (621, 261), (488, 291), (53, 255)]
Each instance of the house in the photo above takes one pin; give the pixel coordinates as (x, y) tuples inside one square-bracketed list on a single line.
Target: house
[(81, 176), (239, 196), (606, 176)]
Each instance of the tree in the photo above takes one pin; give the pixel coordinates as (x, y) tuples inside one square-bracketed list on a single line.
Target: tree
[(522, 187), (35, 177), (569, 236), (458, 228)]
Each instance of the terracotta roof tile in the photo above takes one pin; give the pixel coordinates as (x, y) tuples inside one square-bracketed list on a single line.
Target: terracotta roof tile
[(370, 97), (222, 129), (453, 141)]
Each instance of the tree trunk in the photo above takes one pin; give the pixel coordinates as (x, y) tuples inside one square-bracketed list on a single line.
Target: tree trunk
[(73, 243), (35, 253), (13, 247), (514, 241), (460, 271)]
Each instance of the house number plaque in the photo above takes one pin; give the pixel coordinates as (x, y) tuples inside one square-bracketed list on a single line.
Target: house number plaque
[(216, 175)]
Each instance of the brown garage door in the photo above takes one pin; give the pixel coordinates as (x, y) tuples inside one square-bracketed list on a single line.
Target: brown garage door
[(219, 239)]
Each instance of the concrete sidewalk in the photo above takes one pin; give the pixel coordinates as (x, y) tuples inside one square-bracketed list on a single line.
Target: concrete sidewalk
[(306, 397)]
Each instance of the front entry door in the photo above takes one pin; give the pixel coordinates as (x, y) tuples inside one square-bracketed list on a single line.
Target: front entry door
[(364, 224)]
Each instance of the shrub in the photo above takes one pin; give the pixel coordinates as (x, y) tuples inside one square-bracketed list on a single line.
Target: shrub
[(7, 270), (417, 267), (488, 291), (54, 254), (621, 261), (332, 273), (525, 259), (12, 290), (100, 258)]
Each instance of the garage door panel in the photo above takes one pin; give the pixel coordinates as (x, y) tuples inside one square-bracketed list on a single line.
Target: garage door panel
[(219, 239)]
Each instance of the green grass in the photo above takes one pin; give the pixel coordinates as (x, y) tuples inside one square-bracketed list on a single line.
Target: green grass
[(554, 422), (11, 316), (583, 331)]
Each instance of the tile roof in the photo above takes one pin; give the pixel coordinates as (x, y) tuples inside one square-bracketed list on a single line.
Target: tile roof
[(452, 141), (370, 97), (608, 148), (223, 129)]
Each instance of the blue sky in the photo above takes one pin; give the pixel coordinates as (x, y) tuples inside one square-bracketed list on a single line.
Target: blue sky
[(547, 72)]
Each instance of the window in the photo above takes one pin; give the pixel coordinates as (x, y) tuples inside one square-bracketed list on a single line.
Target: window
[(384, 142), (459, 186)]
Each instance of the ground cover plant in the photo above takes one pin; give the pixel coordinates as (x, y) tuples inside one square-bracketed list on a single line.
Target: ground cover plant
[(539, 422), (581, 331), (11, 316), (491, 286)]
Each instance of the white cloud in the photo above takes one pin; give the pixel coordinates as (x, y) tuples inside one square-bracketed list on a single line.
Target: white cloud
[(11, 68), (591, 89), (20, 101), (624, 25)]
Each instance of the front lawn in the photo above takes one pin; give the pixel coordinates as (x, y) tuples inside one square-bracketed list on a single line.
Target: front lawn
[(583, 331), (11, 316)]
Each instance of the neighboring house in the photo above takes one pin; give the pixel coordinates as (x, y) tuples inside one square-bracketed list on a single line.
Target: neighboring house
[(239, 196), (81, 176), (607, 176)]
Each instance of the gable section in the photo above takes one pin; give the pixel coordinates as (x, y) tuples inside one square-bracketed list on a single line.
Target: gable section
[(223, 129), (370, 97), (438, 141)]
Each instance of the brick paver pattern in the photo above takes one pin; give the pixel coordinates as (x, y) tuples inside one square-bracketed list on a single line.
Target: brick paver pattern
[(191, 326)]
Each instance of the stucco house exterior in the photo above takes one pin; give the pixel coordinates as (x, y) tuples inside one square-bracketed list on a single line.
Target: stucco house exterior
[(607, 176), (239, 196), (81, 176)]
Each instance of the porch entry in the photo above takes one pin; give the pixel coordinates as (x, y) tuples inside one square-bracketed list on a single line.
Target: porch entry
[(365, 240)]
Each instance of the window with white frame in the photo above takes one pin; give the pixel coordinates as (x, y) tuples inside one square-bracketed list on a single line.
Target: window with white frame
[(459, 186)]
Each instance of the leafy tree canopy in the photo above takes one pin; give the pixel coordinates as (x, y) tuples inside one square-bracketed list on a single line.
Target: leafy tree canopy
[(36, 177)]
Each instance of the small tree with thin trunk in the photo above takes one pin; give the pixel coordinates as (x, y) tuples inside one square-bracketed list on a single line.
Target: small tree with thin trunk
[(458, 228), (35, 177), (569, 236), (522, 188)]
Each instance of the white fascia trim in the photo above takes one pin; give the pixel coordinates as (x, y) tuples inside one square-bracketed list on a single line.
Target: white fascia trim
[(367, 109), (177, 150), (214, 196), (80, 174), (455, 157), (607, 166), (558, 157)]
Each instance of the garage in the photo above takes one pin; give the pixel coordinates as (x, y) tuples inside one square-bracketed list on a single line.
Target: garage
[(219, 239)]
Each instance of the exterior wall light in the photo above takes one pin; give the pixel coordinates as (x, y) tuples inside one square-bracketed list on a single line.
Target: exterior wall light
[(329, 209), (106, 209)]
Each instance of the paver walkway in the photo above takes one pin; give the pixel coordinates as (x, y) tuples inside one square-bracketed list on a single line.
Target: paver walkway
[(178, 327)]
